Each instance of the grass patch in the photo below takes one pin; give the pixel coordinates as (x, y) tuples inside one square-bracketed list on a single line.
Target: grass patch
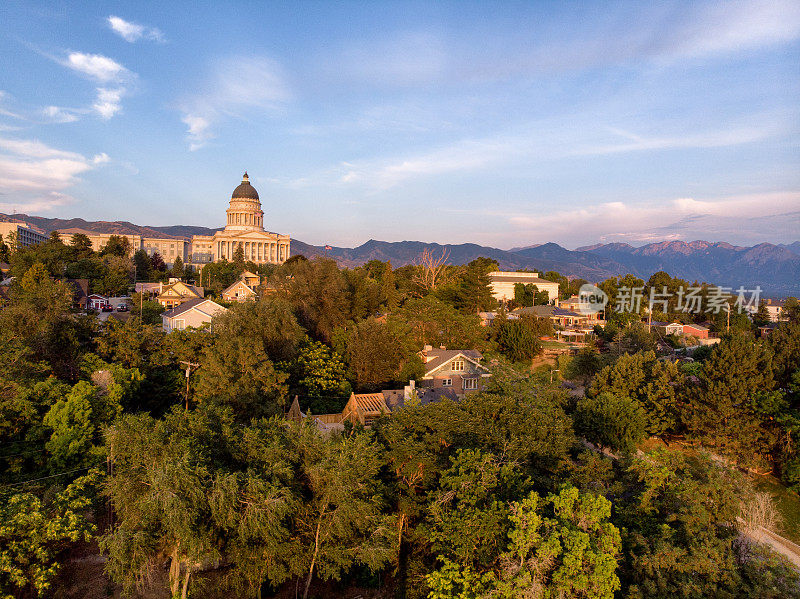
[(787, 502)]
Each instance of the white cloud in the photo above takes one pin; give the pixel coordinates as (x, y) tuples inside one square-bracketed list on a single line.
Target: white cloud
[(96, 66), (235, 87), (711, 219), (57, 114), (132, 32), (35, 175), (116, 80), (108, 101)]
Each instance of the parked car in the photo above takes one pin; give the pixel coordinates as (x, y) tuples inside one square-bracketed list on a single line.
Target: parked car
[(107, 308), (123, 308)]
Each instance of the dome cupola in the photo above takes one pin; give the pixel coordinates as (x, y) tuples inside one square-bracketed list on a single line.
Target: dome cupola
[(244, 213)]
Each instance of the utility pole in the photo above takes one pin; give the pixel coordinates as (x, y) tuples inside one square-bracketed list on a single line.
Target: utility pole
[(728, 326), (189, 367)]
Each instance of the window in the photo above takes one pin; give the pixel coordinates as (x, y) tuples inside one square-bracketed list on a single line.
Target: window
[(470, 384), (458, 366), (447, 382), (180, 325)]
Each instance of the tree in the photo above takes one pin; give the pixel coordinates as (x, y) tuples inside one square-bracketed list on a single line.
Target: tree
[(82, 243), (677, 522), (723, 409), (468, 514), (654, 383), (320, 375), (77, 422), (432, 271), (317, 291), (520, 339), (197, 488), (239, 368), (433, 322), (611, 420), (33, 531), (177, 268), (157, 263), (117, 245), (572, 553), (143, 265), (376, 352), (343, 523), (474, 293)]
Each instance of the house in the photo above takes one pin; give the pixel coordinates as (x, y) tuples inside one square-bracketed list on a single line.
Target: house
[(238, 292), (775, 310), (456, 369), (364, 408), (559, 316), (97, 302), (574, 304), (80, 292), (177, 292), (502, 284), (191, 313), (151, 289), (674, 328), (695, 330)]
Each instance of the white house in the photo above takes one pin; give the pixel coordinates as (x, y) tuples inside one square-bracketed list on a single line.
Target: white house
[(193, 313), (502, 284)]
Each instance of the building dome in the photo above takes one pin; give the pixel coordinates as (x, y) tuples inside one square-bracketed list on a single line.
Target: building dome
[(244, 213), (245, 190)]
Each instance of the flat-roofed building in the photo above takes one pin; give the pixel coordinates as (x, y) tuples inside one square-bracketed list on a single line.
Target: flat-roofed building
[(21, 233), (502, 284)]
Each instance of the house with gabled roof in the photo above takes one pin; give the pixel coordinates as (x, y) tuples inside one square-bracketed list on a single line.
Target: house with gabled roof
[(240, 291), (177, 292), (457, 369), (192, 313)]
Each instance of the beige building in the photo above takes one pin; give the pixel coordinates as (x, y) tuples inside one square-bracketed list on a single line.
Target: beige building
[(502, 284), (168, 247), (22, 233), (192, 314), (244, 228)]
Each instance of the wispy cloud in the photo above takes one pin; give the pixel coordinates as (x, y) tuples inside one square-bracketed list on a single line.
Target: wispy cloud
[(58, 114), (36, 174), (235, 87), (529, 144), (133, 32), (113, 76)]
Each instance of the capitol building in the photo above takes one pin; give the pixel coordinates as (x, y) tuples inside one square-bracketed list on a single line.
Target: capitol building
[(244, 228)]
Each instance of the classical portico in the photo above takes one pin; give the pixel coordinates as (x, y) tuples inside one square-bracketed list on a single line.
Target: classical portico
[(245, 229)]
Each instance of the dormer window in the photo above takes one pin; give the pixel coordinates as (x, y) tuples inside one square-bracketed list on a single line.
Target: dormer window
[(458, 366)]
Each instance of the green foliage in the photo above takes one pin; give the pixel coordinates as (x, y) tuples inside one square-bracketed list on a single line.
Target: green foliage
[(654, 383), (77, 422), (117, 245), (610, 420), (721, 411), (468, 514), (520, 339), (678, 531), (376, 352), (33, 531), (454, 581), (433, 322), (319, 374)]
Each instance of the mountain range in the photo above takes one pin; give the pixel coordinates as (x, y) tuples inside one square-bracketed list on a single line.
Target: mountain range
[(773, 267)]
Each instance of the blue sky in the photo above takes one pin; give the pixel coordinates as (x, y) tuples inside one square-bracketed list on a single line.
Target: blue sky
[(504, 124)]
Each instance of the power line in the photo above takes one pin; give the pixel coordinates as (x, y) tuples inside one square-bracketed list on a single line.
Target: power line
[(24, 453), (33, 480)]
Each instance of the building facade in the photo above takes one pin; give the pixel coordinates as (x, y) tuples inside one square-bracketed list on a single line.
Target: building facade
[(244, 229), (21, 234), (502, 284)]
